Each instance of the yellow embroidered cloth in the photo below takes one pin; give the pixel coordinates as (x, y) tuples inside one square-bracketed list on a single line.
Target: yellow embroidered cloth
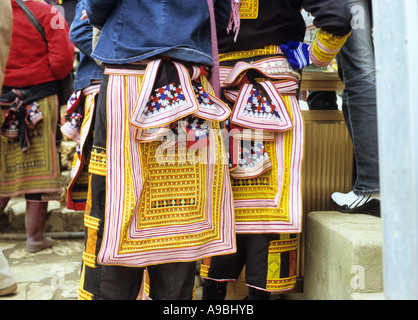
[(36, 170), (162, 205), (272, 201), (267, 195)]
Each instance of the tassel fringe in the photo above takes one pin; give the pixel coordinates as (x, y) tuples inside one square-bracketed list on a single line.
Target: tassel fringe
[(234, 21)]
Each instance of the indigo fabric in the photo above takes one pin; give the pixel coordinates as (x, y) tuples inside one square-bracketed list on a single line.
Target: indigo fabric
[(127, 38)]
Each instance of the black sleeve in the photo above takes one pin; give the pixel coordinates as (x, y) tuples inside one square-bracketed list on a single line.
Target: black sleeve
[(332, 16), (99, 10), (222, 13)]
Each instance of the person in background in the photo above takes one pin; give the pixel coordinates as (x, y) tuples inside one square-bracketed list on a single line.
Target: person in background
[(80, 126), (322, 100), (261, 55), (29, 117), (356, 66), (81, 108), (8, 284)]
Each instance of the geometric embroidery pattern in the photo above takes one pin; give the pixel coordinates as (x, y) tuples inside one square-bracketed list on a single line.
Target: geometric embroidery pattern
[(270, 202), (164, 98), (98, 163), (249, 155), (257, 105), (281, 271), (248, 9)]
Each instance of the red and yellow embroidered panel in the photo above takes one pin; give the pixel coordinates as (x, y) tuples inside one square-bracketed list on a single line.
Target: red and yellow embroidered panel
[(162, 204), (271, 202)]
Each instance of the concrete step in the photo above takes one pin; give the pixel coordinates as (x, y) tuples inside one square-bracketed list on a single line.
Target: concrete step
[(343, 257), (368, 296)]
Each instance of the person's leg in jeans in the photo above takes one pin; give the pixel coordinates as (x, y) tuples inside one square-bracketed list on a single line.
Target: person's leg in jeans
[(357, 70)]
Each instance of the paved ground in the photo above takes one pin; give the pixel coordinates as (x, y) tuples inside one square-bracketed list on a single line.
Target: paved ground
[(54, 273), (50, 274)]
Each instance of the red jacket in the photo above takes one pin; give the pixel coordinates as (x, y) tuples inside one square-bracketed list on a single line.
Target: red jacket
[(30, 60)]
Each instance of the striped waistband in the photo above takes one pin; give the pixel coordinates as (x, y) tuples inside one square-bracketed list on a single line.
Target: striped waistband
[(267, 50), (124, 71), (195, 71), (275, 67), (93, 88)]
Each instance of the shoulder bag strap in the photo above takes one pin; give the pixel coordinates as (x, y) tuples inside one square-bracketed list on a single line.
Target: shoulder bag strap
[(214, 78), (32, 19)]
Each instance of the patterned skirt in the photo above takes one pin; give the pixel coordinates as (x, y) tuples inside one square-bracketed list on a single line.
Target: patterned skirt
[(36, 170)]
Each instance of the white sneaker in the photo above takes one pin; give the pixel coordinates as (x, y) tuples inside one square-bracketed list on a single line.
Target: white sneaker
[(353, 203)]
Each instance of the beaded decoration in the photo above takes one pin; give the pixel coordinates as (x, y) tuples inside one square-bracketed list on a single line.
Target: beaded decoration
[(261, 106)]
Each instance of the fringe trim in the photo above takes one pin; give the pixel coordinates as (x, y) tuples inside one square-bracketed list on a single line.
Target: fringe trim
[(235, 18)]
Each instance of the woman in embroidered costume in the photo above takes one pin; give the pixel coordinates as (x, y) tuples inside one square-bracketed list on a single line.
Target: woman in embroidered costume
[(29, 117), (81, 108), (159, 195), (8, 284), (259, 74)]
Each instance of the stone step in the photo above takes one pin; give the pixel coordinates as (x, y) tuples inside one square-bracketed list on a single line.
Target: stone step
[(343, 257), (60, 219)]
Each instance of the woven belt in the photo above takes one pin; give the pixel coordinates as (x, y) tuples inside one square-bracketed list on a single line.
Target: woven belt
[(237, 55)]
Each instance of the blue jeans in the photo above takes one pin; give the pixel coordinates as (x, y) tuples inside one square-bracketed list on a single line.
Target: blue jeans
[(357, 70)]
